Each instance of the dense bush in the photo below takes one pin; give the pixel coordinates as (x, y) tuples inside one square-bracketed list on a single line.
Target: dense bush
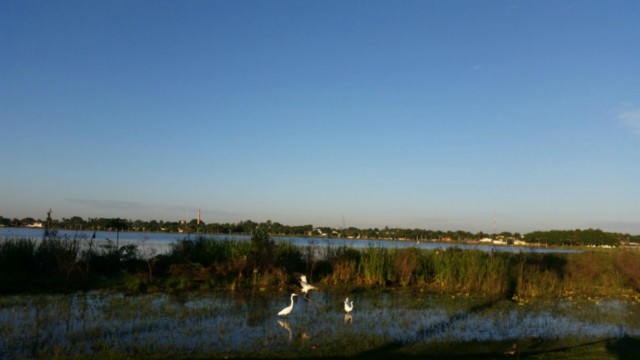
[(575, 237)]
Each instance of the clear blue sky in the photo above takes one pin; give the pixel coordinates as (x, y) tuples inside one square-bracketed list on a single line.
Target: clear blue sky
[(416, 114)]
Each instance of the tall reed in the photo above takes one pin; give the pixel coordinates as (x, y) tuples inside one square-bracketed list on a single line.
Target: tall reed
[(341, 265), (375, 266), (203, 263), (468, 271)]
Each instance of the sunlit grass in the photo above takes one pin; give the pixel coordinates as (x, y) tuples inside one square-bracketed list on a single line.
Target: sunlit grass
[(205, 264)]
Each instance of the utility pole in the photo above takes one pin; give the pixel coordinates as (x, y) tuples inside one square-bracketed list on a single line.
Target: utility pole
[(494, 224), (198, 223), (47, 226)]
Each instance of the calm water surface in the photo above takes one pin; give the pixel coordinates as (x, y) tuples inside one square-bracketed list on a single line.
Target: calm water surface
[(222, 322), (162, 241)]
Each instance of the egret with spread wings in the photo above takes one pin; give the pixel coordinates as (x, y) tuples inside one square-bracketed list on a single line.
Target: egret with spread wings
[(306, 286)]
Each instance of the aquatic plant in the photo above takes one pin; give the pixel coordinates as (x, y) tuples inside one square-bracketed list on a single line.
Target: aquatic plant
[(289, 257), (375, 267), (406, 264), (341, 265), (201, 263)]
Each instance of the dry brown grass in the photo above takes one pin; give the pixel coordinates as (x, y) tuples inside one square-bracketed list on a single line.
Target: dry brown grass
[(628, 263), (343, 272), (406, 263), (190, 271)]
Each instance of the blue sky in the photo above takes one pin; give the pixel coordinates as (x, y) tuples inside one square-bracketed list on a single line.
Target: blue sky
[(417, 114)]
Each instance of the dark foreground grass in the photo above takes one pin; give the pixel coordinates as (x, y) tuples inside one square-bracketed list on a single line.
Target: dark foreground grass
[(535, 349), (567, 349)]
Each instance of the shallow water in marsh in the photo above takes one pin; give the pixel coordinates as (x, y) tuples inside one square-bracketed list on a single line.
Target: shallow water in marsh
[(225, 322)]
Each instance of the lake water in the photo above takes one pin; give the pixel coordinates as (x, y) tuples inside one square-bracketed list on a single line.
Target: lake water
[(226, 322), (162, 241)]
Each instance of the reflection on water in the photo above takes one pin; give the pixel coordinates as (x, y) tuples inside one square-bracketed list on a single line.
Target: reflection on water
[(285, 325), (86, 324)]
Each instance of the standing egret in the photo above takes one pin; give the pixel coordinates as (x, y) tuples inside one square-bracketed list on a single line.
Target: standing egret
[(306, 286), (348, 305), (287, 310)]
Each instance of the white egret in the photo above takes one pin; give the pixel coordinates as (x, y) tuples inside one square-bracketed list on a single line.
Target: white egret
[(348, 305), (287, 310), (306, 286)]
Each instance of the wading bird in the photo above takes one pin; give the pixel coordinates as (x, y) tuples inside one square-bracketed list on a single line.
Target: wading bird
[(306, 286), (348, 305), (287, 310)]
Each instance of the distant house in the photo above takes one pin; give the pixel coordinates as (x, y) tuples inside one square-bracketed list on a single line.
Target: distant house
[(36, 224), (486, 240)]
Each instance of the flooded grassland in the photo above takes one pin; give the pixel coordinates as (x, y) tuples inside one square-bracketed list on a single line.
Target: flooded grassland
[(234, 324), (207, 298)]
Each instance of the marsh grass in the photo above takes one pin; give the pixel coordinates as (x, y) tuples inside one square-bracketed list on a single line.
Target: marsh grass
[(202, 264), (375, 266), (454, 270), (628, 263), (590, 274)]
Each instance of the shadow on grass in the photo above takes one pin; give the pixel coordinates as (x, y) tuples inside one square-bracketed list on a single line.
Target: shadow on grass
[(394, 349), (625, 348), (441, 326)]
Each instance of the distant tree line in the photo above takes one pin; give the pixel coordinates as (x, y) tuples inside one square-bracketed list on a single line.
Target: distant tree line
[(248, 227), (553, 237), (580, 237)]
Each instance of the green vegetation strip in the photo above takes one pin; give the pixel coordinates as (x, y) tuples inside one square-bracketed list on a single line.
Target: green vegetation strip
[(63, 265)]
